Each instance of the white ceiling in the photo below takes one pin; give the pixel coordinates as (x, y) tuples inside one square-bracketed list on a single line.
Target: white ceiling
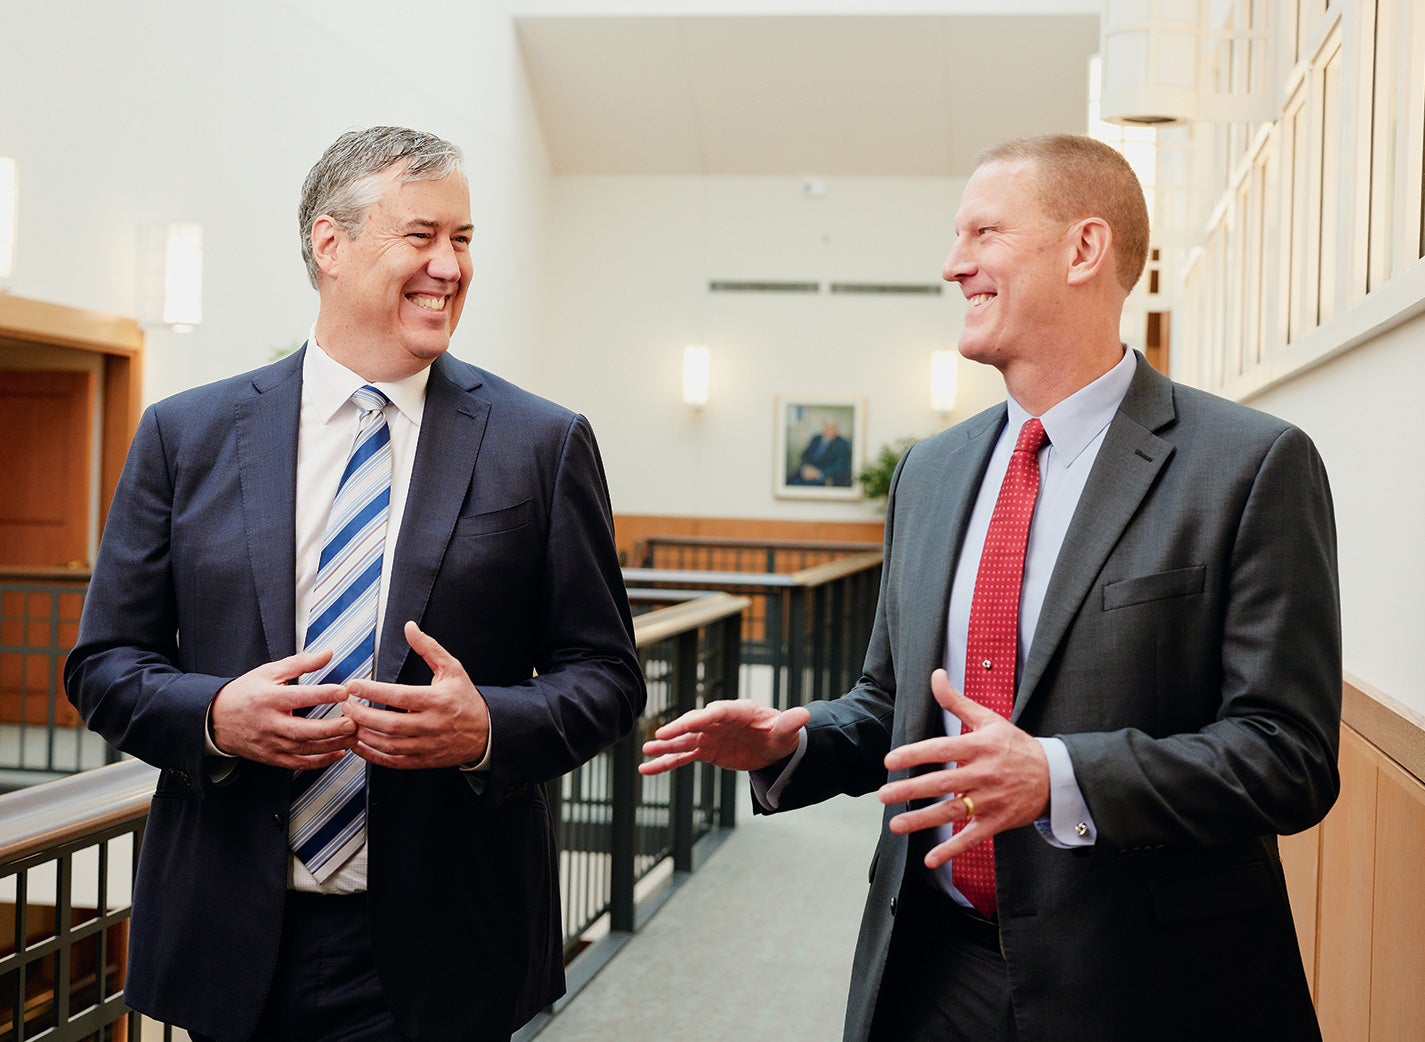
[(801, 94)]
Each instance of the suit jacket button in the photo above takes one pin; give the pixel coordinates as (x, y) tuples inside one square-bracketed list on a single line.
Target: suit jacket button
[(277, 821), (893, 906)]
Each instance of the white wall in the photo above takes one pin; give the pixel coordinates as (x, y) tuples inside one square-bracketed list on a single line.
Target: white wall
[(124, 113), (1362, 411), (630, 259)]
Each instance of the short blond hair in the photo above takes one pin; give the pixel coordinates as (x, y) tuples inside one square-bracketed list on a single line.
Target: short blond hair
[(1078, 177)]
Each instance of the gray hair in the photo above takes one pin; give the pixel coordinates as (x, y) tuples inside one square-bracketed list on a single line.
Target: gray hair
[(345, 182)]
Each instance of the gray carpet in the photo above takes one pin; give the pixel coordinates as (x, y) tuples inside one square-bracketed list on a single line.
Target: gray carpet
[(755, 945)]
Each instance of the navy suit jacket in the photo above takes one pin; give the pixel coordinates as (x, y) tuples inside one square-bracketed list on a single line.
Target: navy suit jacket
[(505, 556), (1188, 654)]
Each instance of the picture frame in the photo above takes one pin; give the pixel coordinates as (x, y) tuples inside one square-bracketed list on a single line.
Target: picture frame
[(820, 447)]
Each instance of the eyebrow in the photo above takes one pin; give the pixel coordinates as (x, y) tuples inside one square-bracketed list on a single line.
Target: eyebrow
[(426, 222)]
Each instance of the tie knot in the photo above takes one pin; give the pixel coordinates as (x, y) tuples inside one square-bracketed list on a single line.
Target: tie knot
[(369, 399), (1031, 436)]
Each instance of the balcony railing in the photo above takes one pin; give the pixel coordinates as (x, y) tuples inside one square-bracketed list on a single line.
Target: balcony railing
[(68, 848), (810, 626), (67, 855), (714, 553), (41, 736)]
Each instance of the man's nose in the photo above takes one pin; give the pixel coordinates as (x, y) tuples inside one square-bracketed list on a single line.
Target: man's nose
[(957, 264), (444, 264)]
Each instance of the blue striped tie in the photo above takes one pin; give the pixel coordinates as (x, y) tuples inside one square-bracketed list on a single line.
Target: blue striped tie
[(328, 822)]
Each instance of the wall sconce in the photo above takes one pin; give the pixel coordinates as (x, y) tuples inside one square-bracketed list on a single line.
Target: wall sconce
[(944, 378), (9, 214), (171, 275), (697, 371)]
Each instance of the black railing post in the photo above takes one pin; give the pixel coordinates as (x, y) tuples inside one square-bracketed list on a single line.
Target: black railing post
[(822, 639), (685, 693), (731, 630), (621, 830), (796, 646), (772, 635)]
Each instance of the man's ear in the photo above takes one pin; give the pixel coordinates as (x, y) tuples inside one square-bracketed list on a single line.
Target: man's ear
[(1092, 242), (326, 236)]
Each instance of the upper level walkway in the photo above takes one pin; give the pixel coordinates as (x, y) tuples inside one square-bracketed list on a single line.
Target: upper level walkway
[(756, 946)]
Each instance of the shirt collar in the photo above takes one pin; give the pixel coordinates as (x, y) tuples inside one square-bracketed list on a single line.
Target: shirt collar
[(328, 385), (1074, 423)]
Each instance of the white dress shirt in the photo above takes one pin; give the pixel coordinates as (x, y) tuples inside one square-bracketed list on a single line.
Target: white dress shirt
[(326, 432)]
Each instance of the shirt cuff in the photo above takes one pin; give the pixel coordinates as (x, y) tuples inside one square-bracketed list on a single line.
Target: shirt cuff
[(769, 792), (210, 747), (483, 764), (1069, 823), (217, 763)]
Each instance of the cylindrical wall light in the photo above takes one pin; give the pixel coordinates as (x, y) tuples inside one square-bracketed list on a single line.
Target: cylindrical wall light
[(697, 373), (9, 214), (1152, 61), (944, 379), (171, 275)]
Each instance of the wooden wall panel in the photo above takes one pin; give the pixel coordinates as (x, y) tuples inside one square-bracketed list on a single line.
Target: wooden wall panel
[(1301, 861), (1398, 925), (1343, 934)]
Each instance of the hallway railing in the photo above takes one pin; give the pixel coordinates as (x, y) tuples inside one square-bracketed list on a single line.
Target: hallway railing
[(67, 854), (810, 626), (714, 553), (41, 736), (68, 847)]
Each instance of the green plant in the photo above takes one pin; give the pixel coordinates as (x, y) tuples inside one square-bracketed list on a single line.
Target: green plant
[(875, 477)]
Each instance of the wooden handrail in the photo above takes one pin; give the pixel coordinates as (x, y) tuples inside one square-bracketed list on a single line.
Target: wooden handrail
[(690, 615), (10, 573), (818, 574), (43, 816), (776, 544), (636, 576)]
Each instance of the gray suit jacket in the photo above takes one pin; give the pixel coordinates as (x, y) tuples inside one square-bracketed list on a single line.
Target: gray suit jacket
[(1188, 654)]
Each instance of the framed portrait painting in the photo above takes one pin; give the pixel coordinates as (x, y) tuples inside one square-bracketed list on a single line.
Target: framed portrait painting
[(819, 448)]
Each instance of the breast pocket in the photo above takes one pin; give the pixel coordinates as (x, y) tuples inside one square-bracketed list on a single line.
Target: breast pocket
[(1160, 586), (492, 522)]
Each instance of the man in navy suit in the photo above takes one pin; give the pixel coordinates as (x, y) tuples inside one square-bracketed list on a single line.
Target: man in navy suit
[(503, 653), (1174, 661)]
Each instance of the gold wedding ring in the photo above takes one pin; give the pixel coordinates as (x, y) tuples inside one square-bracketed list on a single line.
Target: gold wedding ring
[(969, 805)]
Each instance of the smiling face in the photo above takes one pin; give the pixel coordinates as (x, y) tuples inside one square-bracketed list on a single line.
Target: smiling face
[(1011, 261), (392, 293)]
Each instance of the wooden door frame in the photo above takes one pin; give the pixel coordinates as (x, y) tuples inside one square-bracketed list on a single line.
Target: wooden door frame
[(120, 343)]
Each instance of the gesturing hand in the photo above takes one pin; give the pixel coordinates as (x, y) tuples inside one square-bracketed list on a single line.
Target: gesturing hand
[(441, 724), (1000, 767), (251, 716), (740, 735)]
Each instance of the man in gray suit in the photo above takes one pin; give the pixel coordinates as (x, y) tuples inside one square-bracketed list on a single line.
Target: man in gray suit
[(1176, 700)]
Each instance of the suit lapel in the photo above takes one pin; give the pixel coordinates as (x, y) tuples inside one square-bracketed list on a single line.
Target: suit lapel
[(962, 470), (1128, 464), (266, 425), (452, 428)]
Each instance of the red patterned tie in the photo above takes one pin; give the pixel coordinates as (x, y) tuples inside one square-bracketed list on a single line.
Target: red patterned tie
[(992, 648)]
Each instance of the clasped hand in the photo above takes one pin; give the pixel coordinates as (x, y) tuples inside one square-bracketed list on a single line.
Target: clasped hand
[(441, 724)]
